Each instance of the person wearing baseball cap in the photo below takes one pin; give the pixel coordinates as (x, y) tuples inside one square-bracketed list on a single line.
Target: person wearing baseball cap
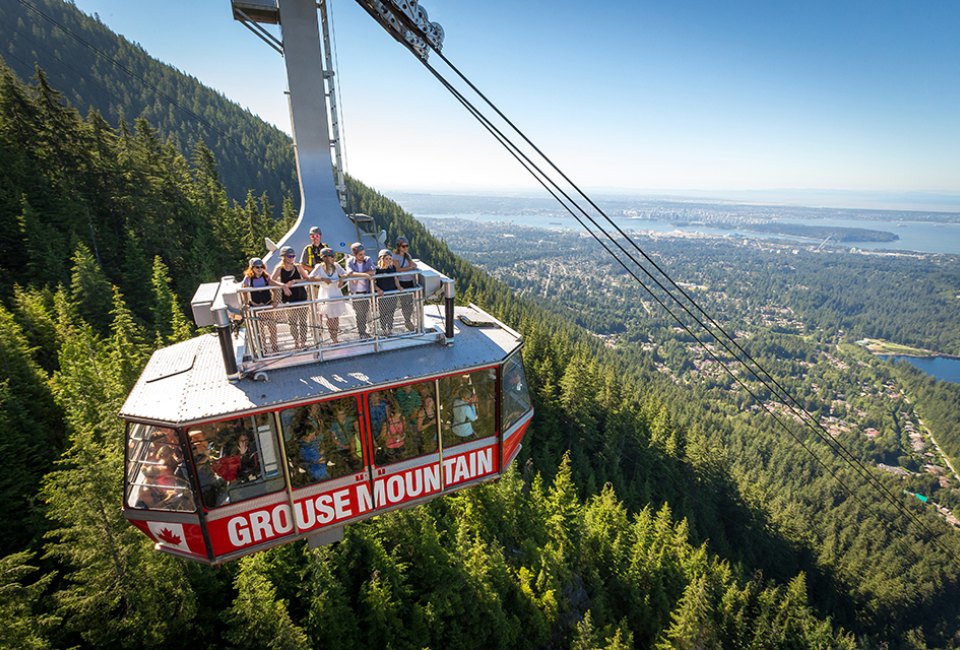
[(361, 266), (386, 282), (404, 263), (255, 276), (310, 256), (292, 276)]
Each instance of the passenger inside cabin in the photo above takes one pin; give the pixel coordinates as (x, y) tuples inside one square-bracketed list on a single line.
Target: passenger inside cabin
[(426, 424), (378, 414), (304, 424), (226, 460), (165, 492), (163, 452), (326, 433), (164, 482), (212, 486), (345, 430), (311, 455), (464, 413), (395, 437), (249, 468), (409, 400)]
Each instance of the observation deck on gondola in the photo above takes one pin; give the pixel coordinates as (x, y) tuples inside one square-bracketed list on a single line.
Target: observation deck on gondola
[(218, 468)]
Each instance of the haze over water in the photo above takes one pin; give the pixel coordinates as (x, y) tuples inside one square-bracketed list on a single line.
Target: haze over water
[(914, 236)]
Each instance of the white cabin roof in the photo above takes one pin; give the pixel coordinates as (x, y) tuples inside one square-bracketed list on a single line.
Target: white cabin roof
[(187, 382)]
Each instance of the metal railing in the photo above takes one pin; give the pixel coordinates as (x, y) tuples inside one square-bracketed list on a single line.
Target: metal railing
[(282, 329)]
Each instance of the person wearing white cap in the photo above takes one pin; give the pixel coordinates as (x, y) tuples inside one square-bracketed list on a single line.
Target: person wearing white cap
[(255, 276), (292, 275), (360, 266), (328, 273)]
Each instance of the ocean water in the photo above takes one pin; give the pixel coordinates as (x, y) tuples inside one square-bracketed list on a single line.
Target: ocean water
[(915, 236)]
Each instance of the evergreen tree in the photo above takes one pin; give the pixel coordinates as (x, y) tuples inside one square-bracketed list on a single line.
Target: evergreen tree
[(31, 435), (25, 625), (692, 625), (586, 636), (256, 618), (43, 245), (34, 313), (331, 622), (90, 290), (164, 300), (118, 590)]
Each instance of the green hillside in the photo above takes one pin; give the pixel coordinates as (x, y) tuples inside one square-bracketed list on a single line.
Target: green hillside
[(97, 69), (622, 525)]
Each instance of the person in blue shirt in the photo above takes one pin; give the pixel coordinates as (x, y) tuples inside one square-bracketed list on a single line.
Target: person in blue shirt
[(464, 413), (311, 456)]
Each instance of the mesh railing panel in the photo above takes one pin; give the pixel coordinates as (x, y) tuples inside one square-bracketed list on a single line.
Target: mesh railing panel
[(320, 323)]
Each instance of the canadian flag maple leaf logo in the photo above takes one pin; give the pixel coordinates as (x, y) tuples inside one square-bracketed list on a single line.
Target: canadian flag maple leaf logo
[(168, 536)]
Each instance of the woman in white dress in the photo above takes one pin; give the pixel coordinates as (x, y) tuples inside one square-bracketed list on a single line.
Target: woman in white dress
[(328, 274)]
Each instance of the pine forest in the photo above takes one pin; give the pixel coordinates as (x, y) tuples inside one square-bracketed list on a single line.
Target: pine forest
[(641, 513)]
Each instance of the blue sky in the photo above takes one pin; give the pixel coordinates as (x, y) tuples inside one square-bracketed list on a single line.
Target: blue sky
[(661, 97)]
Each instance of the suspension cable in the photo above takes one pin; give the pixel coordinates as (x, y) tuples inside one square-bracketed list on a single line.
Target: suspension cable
[(545, 181), (741, 355), (336, 80)]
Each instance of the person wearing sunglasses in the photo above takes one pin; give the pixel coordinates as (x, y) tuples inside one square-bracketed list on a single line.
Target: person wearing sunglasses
[(292, 275), (402, 262), (360, 266), (328, 274), (311, 255), (255, 275), (386, 282)]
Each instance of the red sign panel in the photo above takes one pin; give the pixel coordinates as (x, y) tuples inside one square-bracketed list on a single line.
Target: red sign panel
[(340, 505), (464, 467)]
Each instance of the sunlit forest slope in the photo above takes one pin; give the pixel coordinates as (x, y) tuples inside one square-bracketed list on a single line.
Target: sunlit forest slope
[(97, 69), (620, 525)]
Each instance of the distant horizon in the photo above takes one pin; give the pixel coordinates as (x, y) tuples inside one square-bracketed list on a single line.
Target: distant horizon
[(666, 96), (892, 201)]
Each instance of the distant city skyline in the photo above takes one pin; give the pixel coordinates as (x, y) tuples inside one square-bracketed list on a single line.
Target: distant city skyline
[(747, 100)]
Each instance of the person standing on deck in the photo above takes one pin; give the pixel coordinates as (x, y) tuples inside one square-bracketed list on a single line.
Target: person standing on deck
[(361, 265), (311, 256)]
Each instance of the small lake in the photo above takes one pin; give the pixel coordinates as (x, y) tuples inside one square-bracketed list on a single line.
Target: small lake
[(945, 368)]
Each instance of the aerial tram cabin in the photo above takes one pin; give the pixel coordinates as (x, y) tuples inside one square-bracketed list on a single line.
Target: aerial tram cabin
[(216, 469), (291, 421)]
